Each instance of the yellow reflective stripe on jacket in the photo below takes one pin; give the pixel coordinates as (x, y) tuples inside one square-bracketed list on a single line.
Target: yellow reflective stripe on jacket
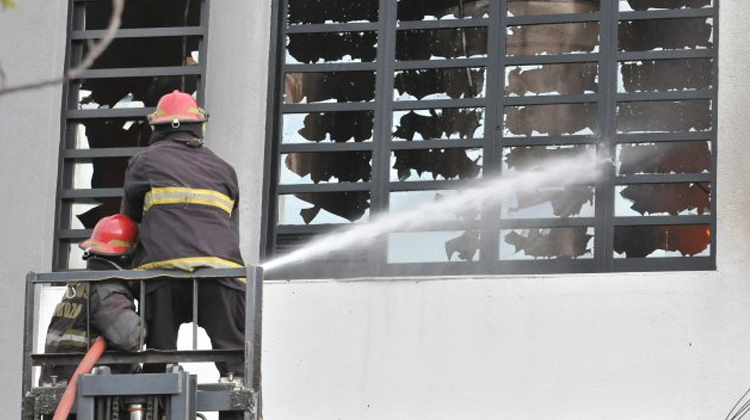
[(179, 195), (191, 264)]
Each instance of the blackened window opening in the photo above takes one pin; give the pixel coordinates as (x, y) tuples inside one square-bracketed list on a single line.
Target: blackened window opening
[(383, 105), (160, 47)]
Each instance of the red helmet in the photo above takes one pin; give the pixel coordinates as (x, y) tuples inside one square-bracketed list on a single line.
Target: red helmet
[(113, 235), (177, 107)]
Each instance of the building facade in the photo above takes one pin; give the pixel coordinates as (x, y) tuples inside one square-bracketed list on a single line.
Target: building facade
[(595, 328)]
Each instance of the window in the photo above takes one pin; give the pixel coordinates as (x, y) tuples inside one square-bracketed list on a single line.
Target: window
[(380, 105), (160, 47)]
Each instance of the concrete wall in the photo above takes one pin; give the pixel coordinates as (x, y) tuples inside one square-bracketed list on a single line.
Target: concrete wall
[(627, 346), (32, 41)]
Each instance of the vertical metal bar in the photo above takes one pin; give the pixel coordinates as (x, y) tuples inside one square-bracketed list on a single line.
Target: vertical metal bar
[(604, 229), (253, 326), (489, 253), (28, 333), (714, 123), (88, 315), (381, 152), (195, 314), (142, 311)]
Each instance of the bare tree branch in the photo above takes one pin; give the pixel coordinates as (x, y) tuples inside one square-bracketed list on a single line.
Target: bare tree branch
[(94, 52)]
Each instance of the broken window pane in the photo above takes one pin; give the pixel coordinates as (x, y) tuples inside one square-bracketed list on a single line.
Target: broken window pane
[(451, 83), (144, 14), (440, 246), (663, 199), (432, 44), (404, 201), (553, 38), (148, 52), (331, 47), (664, 116), (540, 120), (336, 126), (442, 9), (85, 212), (129, 92), (552, 79), (433, 124), (662, 241), (550, 200), (547, 243), (664, 75), (435, 164), (663, 158), (526, 7), (332, 11), (337, 86), (665, 34), (638, 5), (306, 168), (75, 255), (323, 208), (99, 173), (102, 133)]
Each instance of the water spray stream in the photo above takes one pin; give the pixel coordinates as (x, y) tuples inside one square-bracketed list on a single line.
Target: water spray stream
[(567, 171)]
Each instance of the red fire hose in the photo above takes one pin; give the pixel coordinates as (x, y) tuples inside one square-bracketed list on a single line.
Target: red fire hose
[(88, 362)]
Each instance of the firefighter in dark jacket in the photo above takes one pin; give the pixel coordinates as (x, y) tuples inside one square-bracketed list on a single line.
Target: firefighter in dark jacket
[(108, 303), (186, 200)]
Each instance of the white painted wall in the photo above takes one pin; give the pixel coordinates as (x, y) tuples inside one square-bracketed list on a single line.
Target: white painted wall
[(628, 346), (32, 41)]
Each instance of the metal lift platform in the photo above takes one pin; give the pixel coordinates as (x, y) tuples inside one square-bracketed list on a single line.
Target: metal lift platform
[(174, 395)]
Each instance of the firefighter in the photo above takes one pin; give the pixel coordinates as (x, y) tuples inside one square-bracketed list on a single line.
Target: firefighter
[(109, 304), (186, 200)]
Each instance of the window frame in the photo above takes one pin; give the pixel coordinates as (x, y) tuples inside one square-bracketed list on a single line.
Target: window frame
[(606, 140), (64, 235)]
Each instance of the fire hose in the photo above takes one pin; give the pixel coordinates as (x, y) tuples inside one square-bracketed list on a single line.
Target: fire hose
[(88, 362)]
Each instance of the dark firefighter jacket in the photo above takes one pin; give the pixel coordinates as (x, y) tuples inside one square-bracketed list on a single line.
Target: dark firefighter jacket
[(110, 312), (186, 201)]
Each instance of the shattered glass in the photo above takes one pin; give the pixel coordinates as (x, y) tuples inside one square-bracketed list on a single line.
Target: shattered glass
[(664, 75), (323, 208), (549, 201), (84, 176), (546, 7), (552, 79), (639, 5), (437, 246), (547, 243), (662, 241), (665, 34), (670, 199), (663, 158), (104, 133), (325, 167), (332, 11), (664, 116), (550, 120), (337, 86), (337, 47), (435, 44), (436, 164), (326, 127), (430, 84), (410, 10), (552, 38), (129, 92), (433, 124)]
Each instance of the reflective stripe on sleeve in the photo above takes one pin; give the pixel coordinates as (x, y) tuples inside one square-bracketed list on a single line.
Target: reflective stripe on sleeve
[(180, 195)]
